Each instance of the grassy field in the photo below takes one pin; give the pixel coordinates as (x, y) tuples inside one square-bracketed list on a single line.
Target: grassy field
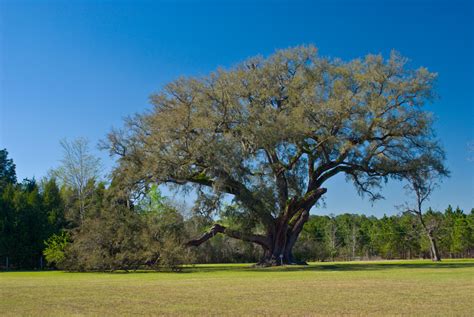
[(359, 288)]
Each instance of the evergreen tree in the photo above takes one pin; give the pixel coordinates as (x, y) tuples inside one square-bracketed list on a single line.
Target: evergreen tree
[(53, 205), (7, 170)]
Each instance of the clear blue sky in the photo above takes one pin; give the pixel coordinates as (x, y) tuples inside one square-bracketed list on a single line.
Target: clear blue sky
[(76, 68)]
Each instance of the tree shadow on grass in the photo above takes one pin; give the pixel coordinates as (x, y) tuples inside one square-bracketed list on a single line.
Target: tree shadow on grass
[(315, 267), (320, 266), (353, 266), (349, 266)]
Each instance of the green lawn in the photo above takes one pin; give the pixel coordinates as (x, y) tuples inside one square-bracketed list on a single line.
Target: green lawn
[(358, 288)]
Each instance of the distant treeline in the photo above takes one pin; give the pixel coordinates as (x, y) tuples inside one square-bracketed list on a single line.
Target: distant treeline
[(46, 225), (359, 237), (349, 236)]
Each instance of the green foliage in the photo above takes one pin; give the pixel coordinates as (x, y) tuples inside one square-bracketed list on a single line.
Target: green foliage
[(7, 170), (349, 236), (462, 235), (153, 202), (53, 205), (23, 224), (119, 238), (109, 242), (316, 241), (55, 251)]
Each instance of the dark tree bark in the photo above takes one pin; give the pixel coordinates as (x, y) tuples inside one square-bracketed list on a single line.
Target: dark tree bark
[(281, 234)]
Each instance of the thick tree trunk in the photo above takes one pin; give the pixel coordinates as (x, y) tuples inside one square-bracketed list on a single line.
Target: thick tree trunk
[(281, 254), (277, 244), (280, 251), (281, 234)]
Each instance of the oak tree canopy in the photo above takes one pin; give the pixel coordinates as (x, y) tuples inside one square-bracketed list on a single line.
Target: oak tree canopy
[(270, 132)]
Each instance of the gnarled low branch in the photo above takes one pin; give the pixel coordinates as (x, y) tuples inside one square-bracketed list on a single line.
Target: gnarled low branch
[(217, 228)]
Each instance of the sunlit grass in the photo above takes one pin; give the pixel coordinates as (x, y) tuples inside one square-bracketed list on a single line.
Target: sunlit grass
[(353, 288)]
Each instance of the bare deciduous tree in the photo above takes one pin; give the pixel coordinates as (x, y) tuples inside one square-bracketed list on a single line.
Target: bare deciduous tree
[(421, 184), (78, 167)]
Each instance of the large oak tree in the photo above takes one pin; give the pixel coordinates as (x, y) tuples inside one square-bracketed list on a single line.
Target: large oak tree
[(270, 132)]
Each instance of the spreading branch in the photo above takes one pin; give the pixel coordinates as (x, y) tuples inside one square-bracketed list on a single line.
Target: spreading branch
[(217, 228)]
